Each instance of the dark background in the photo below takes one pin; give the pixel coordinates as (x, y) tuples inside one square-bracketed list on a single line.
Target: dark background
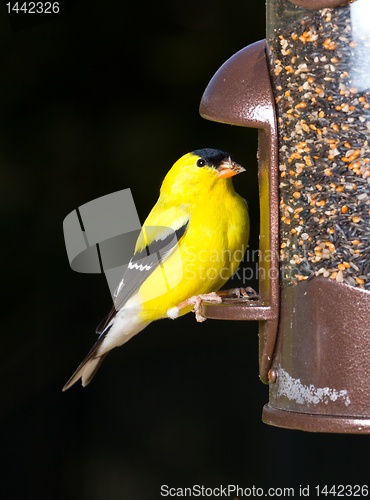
[(102, 98)]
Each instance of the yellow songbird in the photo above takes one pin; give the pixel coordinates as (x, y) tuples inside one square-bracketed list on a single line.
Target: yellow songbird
[(191, 243)]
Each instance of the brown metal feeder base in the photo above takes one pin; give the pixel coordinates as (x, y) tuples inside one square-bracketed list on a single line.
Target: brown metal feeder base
[(315, 423)]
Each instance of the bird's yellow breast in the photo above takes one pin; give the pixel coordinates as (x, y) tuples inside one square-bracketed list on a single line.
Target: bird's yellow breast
[(207, 255)]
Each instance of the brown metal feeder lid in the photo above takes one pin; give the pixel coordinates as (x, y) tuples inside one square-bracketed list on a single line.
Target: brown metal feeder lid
[(319, 4)]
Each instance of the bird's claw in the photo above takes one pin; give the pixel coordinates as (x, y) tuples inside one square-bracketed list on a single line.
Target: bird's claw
[(245, 293), (197, 301), (240, 293)]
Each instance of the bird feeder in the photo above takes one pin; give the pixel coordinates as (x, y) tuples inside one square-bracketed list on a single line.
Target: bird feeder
[(307, 89)]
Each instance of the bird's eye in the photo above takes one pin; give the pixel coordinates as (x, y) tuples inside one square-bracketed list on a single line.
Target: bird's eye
[(201, 162)]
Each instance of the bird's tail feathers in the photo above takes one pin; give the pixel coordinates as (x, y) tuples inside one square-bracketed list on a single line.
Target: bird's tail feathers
[(90, 365)]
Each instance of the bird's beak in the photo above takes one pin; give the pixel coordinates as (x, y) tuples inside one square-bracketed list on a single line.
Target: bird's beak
[(229, 168)]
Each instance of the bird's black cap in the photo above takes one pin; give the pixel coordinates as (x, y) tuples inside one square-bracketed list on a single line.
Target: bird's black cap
[(212, 157)]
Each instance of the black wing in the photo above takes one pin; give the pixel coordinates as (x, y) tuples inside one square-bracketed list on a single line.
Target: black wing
[(141, 265)]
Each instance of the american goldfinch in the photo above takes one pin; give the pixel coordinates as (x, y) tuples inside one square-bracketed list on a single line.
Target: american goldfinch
[(191, 243)]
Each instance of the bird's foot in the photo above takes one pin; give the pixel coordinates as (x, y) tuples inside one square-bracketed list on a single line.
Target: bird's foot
[(245, 293), (197, 300)]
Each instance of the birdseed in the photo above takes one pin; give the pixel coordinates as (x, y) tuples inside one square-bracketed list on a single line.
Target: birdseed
[(321, 78)]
